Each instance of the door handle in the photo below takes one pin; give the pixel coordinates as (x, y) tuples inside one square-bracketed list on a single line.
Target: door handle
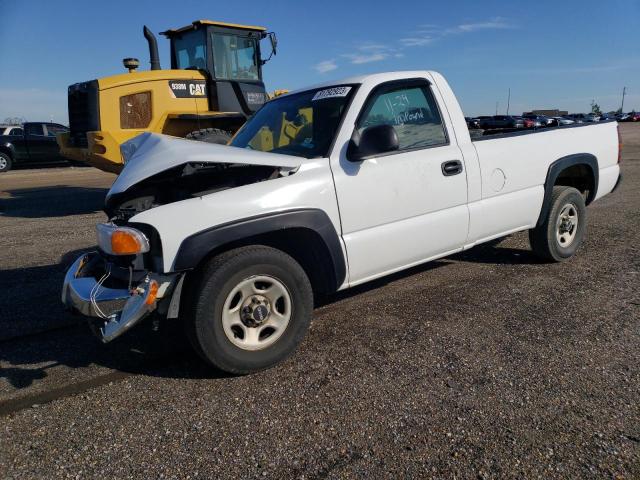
[(452, 167)]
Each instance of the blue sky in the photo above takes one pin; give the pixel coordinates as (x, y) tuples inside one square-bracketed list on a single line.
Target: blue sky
[(550, 53)]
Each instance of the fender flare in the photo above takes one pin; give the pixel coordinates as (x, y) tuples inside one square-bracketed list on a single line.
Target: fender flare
[(554, 171), (196, 247), (8, 148)]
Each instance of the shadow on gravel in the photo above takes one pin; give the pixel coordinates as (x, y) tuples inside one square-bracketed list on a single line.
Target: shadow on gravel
[(30, 298), (497, 255), (57, 201), (26, 361)]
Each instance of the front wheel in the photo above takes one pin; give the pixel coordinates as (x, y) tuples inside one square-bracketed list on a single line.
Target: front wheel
[(562, 232), (252, 307), (5, 162)]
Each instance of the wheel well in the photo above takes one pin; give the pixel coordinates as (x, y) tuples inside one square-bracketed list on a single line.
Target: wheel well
[(7, 151), (303, 244), (580, 177)]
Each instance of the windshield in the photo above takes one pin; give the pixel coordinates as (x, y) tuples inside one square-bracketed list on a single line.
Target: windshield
[(302, 124), (234, 57), (190, 50)]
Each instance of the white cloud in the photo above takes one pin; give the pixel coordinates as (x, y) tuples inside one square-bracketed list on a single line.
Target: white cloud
[(325, 66), (34, 104), (497, 23), (417, 41), (427, 34), (421, 36), (360, 58)]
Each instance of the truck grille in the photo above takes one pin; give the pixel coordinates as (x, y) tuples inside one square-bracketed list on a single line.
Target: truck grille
[(83, 112)]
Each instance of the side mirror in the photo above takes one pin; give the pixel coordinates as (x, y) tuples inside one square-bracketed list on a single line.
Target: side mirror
[(374, 140), (274, 45)]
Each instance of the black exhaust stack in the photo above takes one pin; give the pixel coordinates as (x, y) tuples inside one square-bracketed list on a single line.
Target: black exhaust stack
[(153, 48)]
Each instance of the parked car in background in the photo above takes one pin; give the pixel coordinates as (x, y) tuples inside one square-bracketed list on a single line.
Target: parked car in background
[(538, 120), (11, 130), (472, 123), (34, 142), (607, 116), (564, 121), (501, 121), (632, 117), (584, 117), (528, 123)]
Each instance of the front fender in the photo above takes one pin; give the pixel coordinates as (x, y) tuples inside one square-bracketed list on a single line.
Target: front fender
[(197, 246)]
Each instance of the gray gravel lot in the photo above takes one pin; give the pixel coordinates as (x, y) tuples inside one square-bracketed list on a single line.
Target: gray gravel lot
[(486, 364)]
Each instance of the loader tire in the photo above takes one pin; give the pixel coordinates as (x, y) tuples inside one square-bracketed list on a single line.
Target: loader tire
[(210, 135)]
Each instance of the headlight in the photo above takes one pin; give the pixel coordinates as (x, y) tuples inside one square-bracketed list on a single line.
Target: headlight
[(116, 240)]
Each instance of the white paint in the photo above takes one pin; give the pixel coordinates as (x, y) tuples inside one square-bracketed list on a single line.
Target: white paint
[(392, 211)]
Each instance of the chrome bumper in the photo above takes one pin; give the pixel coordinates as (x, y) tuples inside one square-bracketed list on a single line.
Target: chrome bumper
[(119, 308)]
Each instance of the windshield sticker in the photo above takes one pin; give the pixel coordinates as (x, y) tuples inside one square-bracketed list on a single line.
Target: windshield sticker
[(331, 93)]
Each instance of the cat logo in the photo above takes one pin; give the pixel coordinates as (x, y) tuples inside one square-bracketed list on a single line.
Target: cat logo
[(188, 88), (196, 89)]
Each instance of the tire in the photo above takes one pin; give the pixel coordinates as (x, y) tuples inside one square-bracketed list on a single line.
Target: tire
[(210, 135), (562, 232), (5, 162), (235, 331)]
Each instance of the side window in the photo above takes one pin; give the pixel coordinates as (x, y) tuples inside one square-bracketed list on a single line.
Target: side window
[(411, 110), (16, 131), (34, 129), (53, 130)]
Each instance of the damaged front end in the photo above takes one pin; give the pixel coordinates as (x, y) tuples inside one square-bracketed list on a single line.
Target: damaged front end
[(125, 280), (117, 298), (160, 169)]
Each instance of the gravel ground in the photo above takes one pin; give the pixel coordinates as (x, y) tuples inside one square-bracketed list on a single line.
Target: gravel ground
[(485, 364)]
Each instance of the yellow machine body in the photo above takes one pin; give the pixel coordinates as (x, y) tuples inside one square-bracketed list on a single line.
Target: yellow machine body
[(106, 112)]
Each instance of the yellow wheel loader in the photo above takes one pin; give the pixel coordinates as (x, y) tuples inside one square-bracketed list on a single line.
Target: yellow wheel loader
[(214, 84)]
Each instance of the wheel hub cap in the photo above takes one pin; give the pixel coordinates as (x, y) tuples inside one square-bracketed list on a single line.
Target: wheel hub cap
[(255, 311), (567, 225)]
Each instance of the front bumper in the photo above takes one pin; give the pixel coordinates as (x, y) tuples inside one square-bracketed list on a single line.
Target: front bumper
[(119, 308)]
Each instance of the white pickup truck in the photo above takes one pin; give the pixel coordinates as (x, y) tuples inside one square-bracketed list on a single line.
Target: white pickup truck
[(323, 189)]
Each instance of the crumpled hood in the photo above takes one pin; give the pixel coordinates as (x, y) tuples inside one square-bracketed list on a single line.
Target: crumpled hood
[(152, 153)]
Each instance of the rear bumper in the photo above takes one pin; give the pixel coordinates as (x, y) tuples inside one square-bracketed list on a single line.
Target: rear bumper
[(119, 308)]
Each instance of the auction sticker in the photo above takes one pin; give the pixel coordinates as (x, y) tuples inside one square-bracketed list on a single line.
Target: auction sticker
[(331, 93)]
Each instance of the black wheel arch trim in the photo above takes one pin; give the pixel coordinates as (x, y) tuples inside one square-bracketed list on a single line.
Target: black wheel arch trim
[(9, 149), (557, 167), (196, 247)]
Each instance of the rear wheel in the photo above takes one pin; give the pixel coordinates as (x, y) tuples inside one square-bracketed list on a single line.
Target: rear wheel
[(210, 135), (5, 162), (251, 309), (562, 232)]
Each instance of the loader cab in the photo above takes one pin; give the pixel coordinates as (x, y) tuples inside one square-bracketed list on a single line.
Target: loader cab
[(230, 56)]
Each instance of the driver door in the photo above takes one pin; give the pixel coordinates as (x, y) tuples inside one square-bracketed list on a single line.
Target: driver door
[(402, 208)]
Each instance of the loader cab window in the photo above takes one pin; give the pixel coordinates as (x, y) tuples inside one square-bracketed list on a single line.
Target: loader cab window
[(235, 57), (190, 50)]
